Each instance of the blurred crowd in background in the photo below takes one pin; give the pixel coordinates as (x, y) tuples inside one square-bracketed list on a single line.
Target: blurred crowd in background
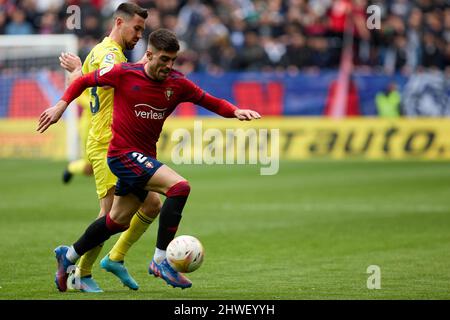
[(244, 35)]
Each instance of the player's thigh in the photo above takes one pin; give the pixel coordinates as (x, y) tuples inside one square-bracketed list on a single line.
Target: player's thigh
[(105, 180), (152, 205), (123, 208), (163, 179)]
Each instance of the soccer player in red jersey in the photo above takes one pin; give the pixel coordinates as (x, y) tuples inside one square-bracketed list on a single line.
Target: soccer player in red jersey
[(144, 96)]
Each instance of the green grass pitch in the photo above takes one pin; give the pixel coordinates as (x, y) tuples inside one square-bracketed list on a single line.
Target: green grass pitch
[(309, 232)]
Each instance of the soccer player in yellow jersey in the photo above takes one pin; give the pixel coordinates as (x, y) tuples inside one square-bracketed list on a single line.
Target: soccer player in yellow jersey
[(129, 20)]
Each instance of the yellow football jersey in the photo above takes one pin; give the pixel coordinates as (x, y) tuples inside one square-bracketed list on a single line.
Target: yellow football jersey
[(105, 54)]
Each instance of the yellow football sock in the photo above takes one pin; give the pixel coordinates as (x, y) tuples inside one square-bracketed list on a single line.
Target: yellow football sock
[(88, 260), (138, 225), (77, 166)]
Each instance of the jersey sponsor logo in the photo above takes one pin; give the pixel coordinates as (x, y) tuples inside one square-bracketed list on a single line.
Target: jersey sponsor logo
[(146, 111), (169, 93)]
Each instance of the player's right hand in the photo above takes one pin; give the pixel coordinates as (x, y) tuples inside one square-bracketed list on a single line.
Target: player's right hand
[(70, 62), (49, 117)]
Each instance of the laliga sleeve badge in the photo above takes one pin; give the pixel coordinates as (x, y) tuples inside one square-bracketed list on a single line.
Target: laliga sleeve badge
[(109, 58)]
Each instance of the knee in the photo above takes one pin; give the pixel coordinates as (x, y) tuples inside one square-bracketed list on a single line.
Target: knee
[(88, 171), (181, 188)]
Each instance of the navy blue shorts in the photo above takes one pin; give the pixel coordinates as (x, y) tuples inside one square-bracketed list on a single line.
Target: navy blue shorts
[(133, 170)]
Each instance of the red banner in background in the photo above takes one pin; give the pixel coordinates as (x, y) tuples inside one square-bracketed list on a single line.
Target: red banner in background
[(266, 98)]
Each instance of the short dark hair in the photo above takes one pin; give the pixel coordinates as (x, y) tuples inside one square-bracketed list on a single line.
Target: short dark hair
[(129, 9), (164, 39)]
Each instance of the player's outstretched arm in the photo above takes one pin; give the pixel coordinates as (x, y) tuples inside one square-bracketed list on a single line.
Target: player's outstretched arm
[(53, 114), (71, 63)]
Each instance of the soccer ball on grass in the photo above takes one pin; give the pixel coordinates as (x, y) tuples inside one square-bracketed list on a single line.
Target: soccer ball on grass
[(185, 254)]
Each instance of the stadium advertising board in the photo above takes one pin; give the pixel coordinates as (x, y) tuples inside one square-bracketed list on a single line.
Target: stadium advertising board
[(322, 138), (19, 139), (299, 138)]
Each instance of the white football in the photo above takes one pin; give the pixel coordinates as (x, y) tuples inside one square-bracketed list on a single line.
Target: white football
[(185, 254)]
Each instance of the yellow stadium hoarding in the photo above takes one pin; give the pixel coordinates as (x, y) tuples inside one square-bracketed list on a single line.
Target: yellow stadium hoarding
[(303, 138), (298, 138), (19, 139)]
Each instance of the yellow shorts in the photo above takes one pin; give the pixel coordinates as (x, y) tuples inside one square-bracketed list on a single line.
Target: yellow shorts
[(104, 178)]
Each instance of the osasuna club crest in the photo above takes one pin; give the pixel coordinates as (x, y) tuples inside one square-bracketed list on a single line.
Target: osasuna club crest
[(169, 93), (148, 164)]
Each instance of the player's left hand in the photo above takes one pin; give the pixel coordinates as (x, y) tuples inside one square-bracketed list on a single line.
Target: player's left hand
[(246, 114), (70, 62)]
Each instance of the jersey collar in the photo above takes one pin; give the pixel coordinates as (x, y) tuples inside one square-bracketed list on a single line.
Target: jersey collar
[(110, 40)]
